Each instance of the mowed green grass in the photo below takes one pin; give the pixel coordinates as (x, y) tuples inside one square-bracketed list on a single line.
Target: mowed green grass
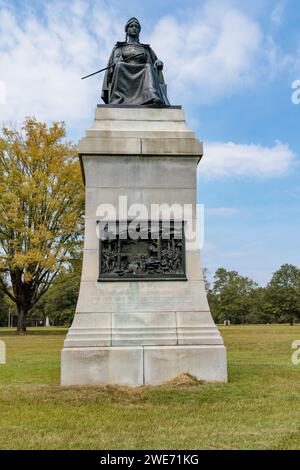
[(258, 409)]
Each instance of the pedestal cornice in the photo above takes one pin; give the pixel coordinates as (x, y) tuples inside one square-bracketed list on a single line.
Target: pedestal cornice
[(140, 131)]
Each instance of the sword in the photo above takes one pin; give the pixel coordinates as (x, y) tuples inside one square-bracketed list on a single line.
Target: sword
[(110, 66)]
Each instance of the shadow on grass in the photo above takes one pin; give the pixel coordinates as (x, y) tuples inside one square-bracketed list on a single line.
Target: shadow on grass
[(34, 332)]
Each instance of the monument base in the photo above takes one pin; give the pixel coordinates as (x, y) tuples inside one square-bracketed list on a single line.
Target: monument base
[(130, 328), (146, 365)]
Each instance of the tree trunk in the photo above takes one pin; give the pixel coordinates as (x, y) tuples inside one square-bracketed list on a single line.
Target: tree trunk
[(292, 320), (22, 314)]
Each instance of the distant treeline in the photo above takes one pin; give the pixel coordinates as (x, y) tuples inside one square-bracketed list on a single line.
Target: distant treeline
[(239, 299), (231, 297), (58, 304)]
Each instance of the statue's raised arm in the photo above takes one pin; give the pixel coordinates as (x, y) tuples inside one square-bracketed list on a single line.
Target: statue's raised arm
[(134, 76)]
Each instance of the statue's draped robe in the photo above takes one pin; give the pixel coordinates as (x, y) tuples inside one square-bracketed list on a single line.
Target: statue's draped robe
[(136, 81)]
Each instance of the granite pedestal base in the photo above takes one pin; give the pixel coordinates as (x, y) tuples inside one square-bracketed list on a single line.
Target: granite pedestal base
[(148, 365), (136, 332)]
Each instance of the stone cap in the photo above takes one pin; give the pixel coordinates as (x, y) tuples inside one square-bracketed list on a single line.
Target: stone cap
[(136, 106), (136, 130)]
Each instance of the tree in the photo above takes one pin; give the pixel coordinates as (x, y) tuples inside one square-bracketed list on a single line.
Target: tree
[(41, 211), (3, 310), (59, 303), (259, 307), (7, 310), (61, 299), (230, 297), (284, 293), (206, 280)]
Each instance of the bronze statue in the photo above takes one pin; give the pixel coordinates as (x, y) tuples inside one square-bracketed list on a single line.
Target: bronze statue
[(134, 73)]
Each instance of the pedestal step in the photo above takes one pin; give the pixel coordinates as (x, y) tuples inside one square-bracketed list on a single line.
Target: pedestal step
[(136, 366)]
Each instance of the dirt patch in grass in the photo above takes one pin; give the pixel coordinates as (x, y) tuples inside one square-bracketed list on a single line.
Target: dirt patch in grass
[(184, 380)]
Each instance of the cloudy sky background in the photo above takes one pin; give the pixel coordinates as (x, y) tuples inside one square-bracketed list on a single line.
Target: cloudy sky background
[(229, 63)]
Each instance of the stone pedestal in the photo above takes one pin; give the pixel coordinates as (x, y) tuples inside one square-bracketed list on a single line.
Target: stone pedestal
[(131, 332)]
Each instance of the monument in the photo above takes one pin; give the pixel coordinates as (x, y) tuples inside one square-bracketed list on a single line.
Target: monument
[(142, 315)]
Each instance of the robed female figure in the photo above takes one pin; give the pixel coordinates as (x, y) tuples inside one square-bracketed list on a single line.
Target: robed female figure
[(135, 75)]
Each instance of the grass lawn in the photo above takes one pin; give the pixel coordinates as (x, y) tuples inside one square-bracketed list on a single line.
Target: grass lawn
[(258, 409)]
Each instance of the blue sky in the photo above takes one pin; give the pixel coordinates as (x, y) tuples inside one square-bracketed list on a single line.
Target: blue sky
[(229, 63)]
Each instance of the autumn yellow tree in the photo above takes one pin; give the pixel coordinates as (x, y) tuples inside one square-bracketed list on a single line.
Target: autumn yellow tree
[(41, 211)]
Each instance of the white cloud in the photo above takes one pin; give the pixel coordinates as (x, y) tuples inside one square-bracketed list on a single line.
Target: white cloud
[(43, 58), (208, 53), (222, 160), (2, 92)]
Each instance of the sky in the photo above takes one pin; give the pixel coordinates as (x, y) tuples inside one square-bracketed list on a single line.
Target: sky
[(230, 64)]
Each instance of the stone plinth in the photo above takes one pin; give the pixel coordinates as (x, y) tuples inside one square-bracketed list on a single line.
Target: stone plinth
[(141, 332)]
